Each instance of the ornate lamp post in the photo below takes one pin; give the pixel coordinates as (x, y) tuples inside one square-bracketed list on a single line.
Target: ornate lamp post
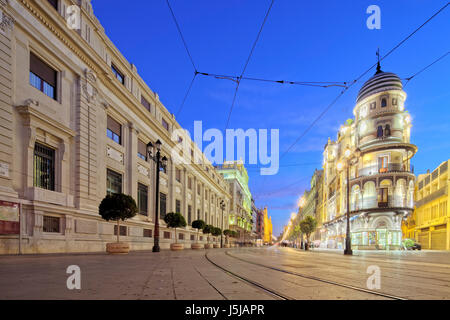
[(160, 162), (340, 166), (222, 206)]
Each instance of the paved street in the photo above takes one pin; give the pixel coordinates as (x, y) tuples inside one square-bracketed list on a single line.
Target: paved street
[(247, 273)]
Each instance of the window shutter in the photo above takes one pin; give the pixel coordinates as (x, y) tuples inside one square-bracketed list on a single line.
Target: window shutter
[(41, 69), (114, 126), (142, 148)]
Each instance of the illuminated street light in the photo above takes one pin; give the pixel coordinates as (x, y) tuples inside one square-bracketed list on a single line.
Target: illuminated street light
[(340, 166)]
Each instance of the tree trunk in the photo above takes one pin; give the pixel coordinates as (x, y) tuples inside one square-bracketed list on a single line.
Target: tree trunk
[(198, 231), (176, 239), (118, 230)]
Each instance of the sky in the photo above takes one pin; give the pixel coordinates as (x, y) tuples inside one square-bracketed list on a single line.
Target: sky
[(301, 41)]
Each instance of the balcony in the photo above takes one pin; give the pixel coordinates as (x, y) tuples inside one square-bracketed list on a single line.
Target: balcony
[(434, 195), (374, 203), (377, 169)]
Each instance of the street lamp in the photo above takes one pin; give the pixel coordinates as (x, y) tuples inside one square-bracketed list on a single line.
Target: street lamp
[(222, 206), (160, 162), (340, 166)]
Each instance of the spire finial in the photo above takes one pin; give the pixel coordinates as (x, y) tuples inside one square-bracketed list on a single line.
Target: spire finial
[(378, 64)]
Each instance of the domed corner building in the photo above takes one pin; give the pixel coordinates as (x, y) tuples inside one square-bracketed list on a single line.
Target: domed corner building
[(376, 148)]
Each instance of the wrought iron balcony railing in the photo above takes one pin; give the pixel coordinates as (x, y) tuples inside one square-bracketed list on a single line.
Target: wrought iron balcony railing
[(377, 169)]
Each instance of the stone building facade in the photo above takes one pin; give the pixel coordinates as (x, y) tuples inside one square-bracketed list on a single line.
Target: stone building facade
[(376, 148), (75, 118)]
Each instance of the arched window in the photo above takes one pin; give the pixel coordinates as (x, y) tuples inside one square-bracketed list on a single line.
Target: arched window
[(380, 132), (383, 102), (387, 131)]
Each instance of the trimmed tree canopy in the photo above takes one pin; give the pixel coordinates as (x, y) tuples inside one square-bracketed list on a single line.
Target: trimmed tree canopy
[(227, 232), (216, 232), (117, 206), (174, 220), (198, 224), (208, 229)]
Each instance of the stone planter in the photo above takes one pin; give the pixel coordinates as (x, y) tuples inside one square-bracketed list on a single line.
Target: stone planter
[(176, 246), (216, 245), (207, 246), (226, 245), (118, 248), (196, 246)]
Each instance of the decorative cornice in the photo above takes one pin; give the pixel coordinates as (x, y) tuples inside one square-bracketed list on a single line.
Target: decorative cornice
[(6, 20)]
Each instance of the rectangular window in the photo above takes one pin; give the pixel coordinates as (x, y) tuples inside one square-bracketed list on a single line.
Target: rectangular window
[(192, 237), (166, 235), (123, 230), (142, 150), (190, 183), (146, 104), (189, 215), (44, 167), (198, 189), (165, 124), (178, 174), (181, 236), (113, 182), (373, 105), (206, 194), (162, 205), (147, 233), (114, 130), (119, 75), (54, 3), (178, 206), (198, 213), (42, 76), (394, 101), (143, 199), (51, 224)]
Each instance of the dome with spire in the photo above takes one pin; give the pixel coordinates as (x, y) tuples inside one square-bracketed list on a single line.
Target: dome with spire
[(381, 81)]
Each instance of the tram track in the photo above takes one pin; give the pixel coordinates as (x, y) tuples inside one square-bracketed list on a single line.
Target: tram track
[(275, 294), (330, 282)]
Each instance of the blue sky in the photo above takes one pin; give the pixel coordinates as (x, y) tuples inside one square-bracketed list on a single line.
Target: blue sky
[(301, 41)]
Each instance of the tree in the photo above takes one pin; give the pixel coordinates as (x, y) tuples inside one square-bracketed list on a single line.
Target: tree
[(198, 224), (296, 232), (227, 233), (116, 207), (308, 226), (207, 230), (175, 220), (216, 232)]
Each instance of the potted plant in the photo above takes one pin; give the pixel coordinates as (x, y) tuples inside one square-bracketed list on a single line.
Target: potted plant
[(307, 226), (207, 230), (199, 225), (116, 207), (216, 232), (175, 220), (227, 233)]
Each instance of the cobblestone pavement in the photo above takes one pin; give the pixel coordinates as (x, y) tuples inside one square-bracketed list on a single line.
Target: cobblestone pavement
[(235, 274)]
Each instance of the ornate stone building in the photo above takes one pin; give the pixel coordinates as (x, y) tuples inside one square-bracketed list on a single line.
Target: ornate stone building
[(75, 119), (376, 147), (240, 214)]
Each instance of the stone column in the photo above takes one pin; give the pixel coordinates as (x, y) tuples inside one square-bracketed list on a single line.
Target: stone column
[(130, 160)]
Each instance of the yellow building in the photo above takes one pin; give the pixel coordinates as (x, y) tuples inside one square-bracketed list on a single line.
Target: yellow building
[(267, 227), (431, 216)]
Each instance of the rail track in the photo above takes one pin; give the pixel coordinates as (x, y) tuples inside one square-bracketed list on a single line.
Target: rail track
[(275, 294), (330, 282)]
